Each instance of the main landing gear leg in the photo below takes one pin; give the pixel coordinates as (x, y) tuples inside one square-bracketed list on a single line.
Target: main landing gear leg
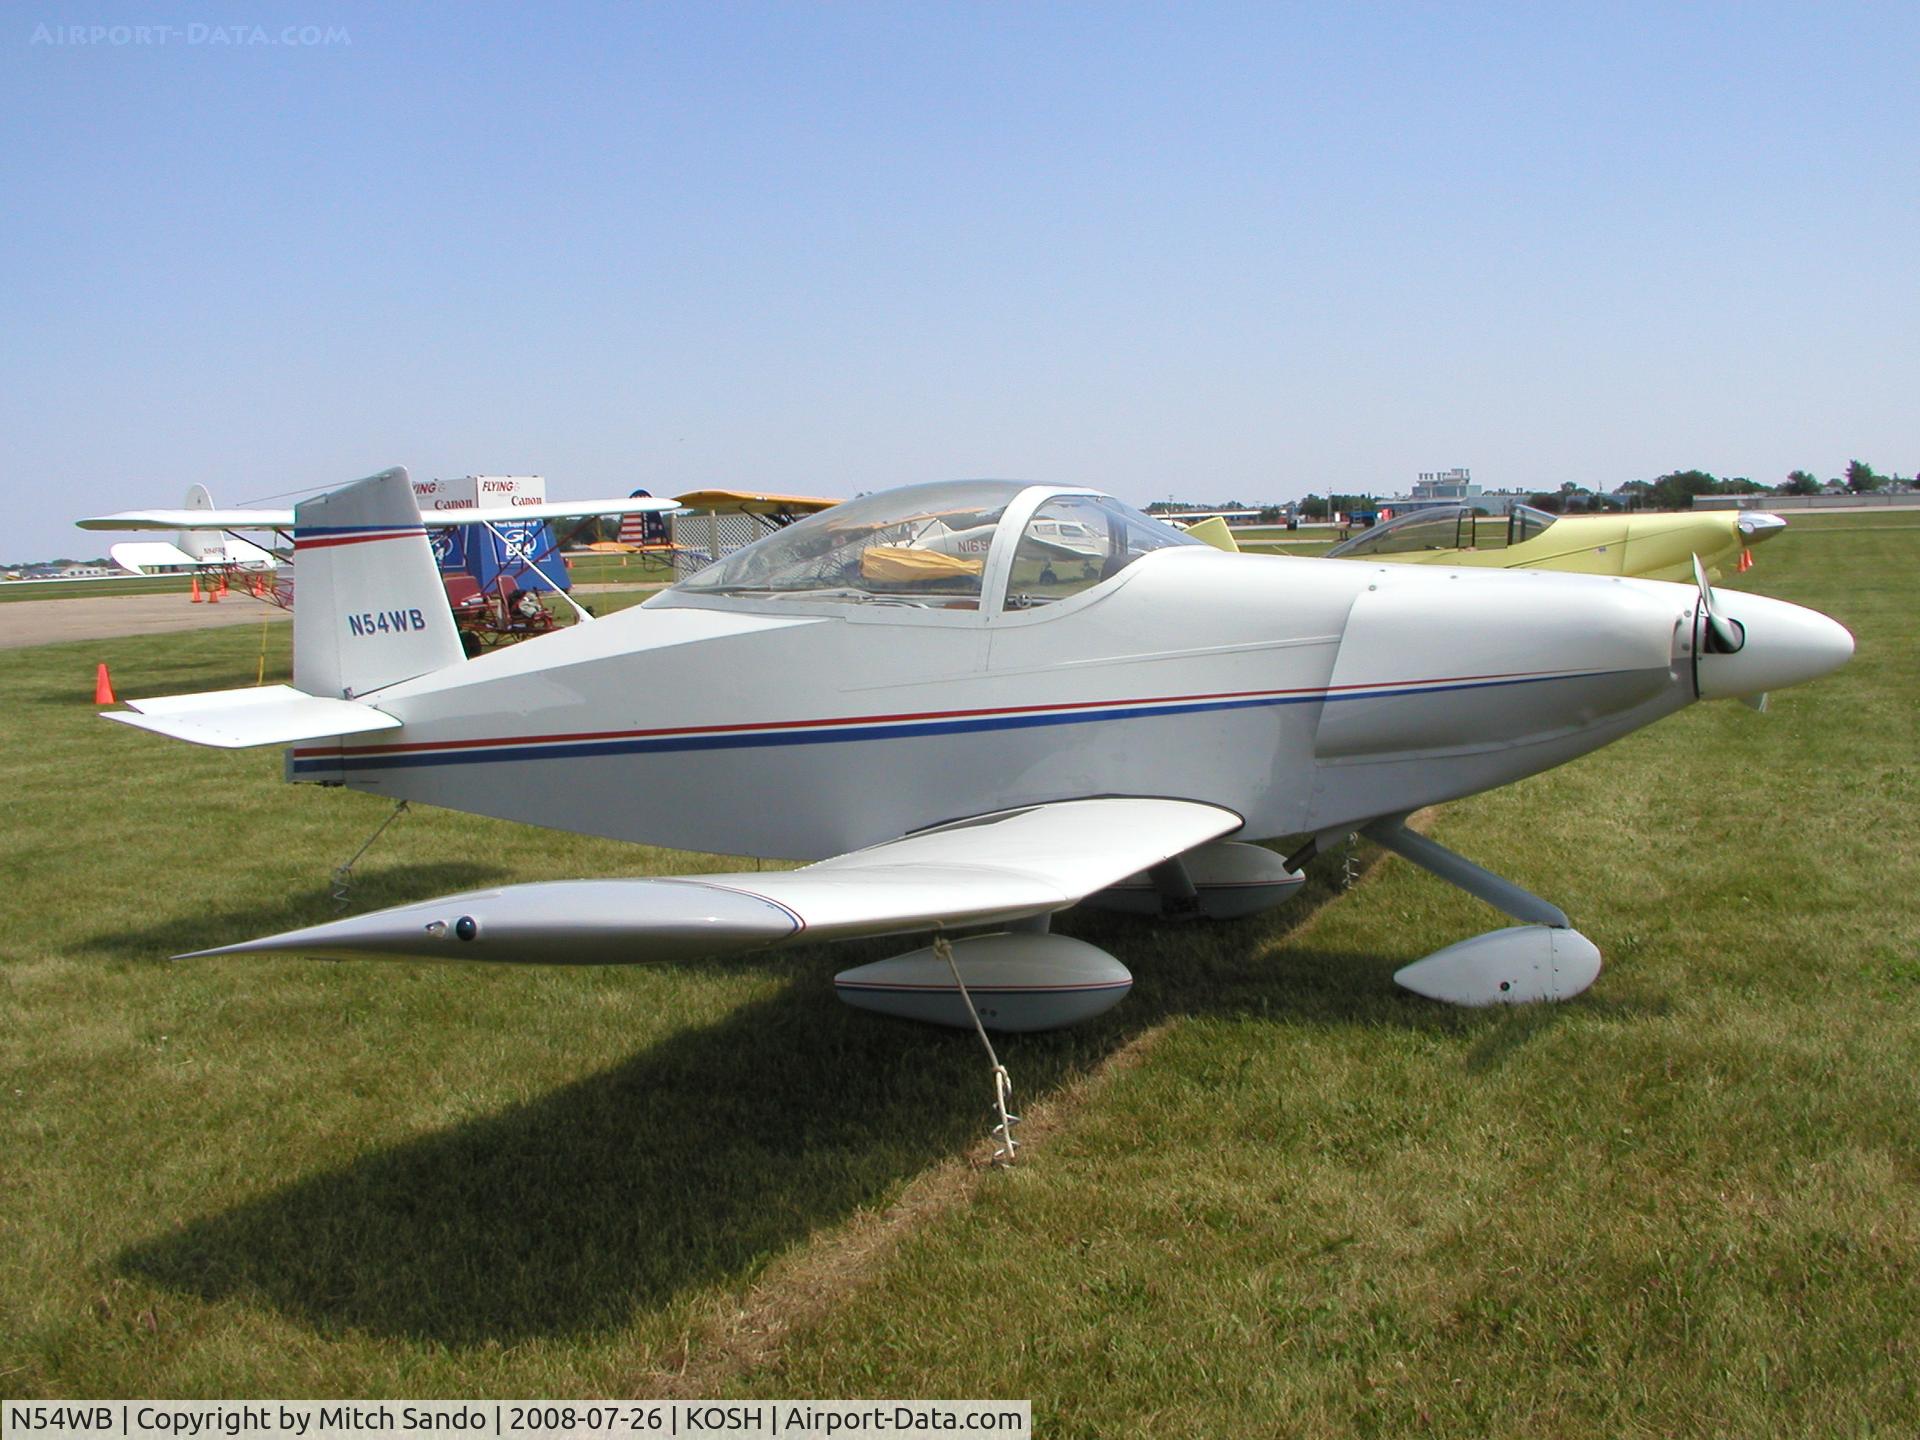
[(1544, 958), (1179, 897)]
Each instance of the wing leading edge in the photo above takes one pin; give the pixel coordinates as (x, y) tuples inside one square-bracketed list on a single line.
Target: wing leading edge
[(990, 870)]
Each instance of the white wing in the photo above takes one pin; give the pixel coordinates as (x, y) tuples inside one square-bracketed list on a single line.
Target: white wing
[(283, 519), (546, 510), (190, 520), (989, 870)]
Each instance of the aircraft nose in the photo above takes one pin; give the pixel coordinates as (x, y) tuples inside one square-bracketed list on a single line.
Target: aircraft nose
[(1783, 645)]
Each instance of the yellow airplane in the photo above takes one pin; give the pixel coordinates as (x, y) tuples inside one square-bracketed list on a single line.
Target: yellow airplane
[(1645, 545), (781, 508), (1649, 546)]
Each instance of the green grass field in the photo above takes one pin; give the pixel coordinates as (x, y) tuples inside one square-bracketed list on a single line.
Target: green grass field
[(1269, 1194)]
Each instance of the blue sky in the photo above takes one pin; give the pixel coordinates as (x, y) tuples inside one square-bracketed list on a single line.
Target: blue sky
[(1213, 251)]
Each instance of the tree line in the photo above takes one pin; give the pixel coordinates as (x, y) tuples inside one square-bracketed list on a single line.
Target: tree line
[(1677, 489), (1673, 491)]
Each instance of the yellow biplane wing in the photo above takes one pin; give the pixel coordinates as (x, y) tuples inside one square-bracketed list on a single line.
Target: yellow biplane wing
[(753, 502)]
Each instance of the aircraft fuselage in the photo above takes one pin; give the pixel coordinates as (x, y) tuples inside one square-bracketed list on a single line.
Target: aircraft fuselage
[(1303, 695)]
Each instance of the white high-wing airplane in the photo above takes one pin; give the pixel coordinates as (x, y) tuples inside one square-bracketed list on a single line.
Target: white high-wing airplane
[(208, 535), (199, 545), (971, 746), (209, 517)]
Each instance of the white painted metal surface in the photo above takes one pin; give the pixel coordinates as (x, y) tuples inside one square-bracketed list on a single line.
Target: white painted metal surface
[(373, 609), (1783, 644), (1514, 966), (258, 715), (996, 869), (1017, 982), (1230, 880)]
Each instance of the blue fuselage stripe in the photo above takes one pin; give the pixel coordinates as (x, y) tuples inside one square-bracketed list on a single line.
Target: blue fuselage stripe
[(841, 734)]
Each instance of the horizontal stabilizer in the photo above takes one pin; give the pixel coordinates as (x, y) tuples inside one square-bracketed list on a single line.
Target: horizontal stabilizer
[(994, 869), (258, 715)]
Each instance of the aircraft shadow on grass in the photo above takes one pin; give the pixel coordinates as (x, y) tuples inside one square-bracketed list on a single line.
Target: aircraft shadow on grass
[(688, 1165), (700, 1159)]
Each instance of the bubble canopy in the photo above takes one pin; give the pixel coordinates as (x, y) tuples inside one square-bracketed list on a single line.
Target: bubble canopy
[(928, 543)]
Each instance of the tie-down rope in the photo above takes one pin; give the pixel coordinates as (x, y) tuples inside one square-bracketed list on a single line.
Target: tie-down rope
[(1004, 1145), (343, 874)]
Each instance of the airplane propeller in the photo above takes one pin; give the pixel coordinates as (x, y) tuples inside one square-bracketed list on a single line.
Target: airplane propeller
[(1719, 636)]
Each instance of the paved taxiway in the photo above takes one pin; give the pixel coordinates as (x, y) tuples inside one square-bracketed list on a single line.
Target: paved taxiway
[(100, 617)]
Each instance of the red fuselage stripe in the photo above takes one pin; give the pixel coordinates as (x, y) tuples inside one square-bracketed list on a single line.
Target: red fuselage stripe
[(772, 726)]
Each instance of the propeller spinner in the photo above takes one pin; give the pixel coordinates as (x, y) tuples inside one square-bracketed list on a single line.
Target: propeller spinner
[(1746, 644)]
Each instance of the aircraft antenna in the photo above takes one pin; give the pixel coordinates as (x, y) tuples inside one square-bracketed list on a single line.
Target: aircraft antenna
[(1004, 1145)]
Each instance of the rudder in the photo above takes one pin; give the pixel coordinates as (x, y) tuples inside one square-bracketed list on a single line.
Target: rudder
[(372, 610)]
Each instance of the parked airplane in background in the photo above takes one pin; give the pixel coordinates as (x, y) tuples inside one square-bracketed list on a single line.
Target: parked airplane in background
[(197, 547), (979, 748), (777, 510), (1650, 546), (491, 577), (935, 547), (1645, 545)]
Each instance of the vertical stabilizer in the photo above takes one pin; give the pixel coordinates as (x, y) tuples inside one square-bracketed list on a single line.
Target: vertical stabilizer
[(205, 546), (372, 609)]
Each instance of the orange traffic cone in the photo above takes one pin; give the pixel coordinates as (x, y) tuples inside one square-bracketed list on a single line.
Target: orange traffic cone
[(196, 590), (1746, 562), (103, 687), (213, 592)]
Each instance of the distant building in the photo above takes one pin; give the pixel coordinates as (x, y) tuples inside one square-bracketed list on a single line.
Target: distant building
[(1452, 487), (1438, 485)]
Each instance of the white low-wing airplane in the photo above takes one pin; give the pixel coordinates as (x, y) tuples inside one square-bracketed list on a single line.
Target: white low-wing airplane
[(969, 747)]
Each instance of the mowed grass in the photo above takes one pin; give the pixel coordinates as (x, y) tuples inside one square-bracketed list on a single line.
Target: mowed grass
[(1311, 1203)]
